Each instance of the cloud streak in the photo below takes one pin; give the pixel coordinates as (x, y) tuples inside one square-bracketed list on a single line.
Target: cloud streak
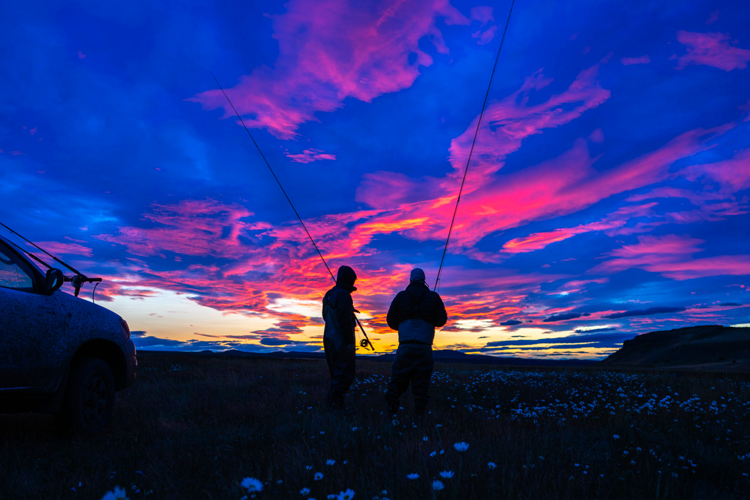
[(711, 49), (330, 50)]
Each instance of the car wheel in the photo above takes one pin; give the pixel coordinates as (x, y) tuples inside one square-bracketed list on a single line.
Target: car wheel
[(89, 397)]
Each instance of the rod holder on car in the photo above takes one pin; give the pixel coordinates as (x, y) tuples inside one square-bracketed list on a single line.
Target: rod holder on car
[(79, 280)]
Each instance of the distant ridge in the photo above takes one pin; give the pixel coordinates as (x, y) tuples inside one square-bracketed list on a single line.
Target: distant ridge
[(705, 348), (441, 355)]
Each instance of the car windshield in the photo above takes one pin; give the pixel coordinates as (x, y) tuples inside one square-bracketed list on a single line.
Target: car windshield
[(14, 273)]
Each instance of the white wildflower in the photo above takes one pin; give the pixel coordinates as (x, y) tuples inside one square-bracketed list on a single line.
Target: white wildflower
[(412, 476), (491, 465), (252, 485), (116, 494), (345, 495), (304, 491), (330, 462), (461, 446), (318, 476), (437, 485), (446, 474)]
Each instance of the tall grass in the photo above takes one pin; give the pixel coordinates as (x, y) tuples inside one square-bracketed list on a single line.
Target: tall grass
[(195, 427)]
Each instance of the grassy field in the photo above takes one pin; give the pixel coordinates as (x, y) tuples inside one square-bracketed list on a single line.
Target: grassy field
[(195, 427)]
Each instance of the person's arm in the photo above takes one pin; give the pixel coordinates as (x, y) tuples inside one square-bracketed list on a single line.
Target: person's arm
[(441, 315), (393, 318), (346, 317)]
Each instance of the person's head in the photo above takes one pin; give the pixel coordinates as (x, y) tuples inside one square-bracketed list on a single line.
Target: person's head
[(346, 276), (417, 276)]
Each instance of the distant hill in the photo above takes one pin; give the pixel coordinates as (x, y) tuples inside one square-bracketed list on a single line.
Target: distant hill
[(440, 355), (704, 348)]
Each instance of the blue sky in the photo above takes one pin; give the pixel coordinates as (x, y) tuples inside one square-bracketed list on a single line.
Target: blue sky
[(607, 196)]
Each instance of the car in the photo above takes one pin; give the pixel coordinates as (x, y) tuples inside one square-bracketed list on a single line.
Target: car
[(59, 354)]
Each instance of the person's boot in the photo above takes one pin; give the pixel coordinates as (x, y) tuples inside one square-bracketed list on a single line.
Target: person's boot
[(329, 399), (419, 413), (393, 409)]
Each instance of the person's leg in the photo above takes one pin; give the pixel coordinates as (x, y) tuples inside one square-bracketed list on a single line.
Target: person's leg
[(330, 356), (343, 376), (420, 378), (399, 382)]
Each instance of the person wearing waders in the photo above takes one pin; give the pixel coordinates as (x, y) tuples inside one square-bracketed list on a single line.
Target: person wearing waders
[(415, 312), (338, 336)]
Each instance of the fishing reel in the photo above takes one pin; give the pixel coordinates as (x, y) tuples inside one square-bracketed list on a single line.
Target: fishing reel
[(79, 280), (364, 343)]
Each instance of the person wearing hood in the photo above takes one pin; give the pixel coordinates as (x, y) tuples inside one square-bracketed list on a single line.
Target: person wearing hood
[(338, 338), (415, 313)]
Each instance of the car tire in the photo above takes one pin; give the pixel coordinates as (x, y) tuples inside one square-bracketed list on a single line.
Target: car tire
[(89, 397)]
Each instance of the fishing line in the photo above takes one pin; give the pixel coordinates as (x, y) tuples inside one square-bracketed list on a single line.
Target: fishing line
[(476, 133), (366, 340)]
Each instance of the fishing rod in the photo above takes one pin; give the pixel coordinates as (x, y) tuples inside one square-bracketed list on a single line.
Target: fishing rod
[(366, 341), (76, 281), (476, 133)]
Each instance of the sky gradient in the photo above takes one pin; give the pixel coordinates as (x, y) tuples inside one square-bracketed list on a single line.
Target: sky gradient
[(607, 195)]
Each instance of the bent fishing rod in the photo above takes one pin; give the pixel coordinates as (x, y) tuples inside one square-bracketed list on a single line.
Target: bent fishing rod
[(366, 341), (78, 280), (476, 133)]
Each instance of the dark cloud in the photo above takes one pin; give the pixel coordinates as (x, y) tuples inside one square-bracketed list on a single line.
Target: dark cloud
[(562, 317), (600, 338), (137, 333), (281, 328), (645, 312), (511, 322), (274, 341)]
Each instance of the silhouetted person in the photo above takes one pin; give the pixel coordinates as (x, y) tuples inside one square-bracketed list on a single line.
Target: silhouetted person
[(338, 337), (415, 313)]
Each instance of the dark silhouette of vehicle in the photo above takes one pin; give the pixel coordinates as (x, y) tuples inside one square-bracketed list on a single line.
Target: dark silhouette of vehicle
[(59, 354)]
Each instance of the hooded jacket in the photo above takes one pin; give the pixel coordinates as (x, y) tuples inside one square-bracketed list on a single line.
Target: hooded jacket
[(415, 312), (338, 309)]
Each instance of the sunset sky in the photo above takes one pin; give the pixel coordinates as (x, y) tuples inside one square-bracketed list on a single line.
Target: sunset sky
[(608, 194)]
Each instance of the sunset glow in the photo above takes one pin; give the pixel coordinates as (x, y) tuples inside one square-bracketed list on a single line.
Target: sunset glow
[(607, 195)]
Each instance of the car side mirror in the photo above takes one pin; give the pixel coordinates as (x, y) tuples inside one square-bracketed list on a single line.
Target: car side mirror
[(54, 280)]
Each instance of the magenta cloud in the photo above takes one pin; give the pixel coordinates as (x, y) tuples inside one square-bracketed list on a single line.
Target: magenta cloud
[(330, 50), (711, 49), (627, 61), (310, 155), (672, 256)]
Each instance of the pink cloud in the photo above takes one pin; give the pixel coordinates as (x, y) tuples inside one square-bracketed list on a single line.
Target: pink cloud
[(671, 256), (711, 49), (190, 227), (627, 61), (538, 241), (556, 187), (485, 36), (81, 55), (483, 14), (330, 50), (732, 175), (597, 136), (310, 155), (713, 17), (57, 248)]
